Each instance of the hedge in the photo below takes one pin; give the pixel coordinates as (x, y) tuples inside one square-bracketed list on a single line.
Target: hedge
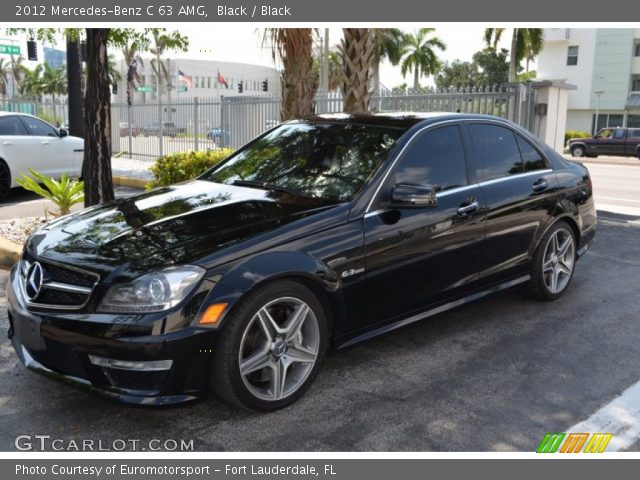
[(569, 134), (178, 167)]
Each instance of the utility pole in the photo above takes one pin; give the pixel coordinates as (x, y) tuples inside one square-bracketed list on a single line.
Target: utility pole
[(74, 89), (325, 62)]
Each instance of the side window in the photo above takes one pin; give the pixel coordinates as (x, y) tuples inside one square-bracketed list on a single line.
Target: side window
[(10, 125), (435, 158), (618, 134), (532, 159), (495, 151), (635, 132), (38, 127)]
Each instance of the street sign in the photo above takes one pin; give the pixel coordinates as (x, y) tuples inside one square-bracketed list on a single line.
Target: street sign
[(10, 49), (182, 89), (145, 88)]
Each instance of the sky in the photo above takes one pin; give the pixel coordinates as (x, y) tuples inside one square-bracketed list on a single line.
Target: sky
[(231, 43), (242, 44)]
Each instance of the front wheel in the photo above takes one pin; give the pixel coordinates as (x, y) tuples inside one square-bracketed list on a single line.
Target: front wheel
[(553, 263), (271, 347)]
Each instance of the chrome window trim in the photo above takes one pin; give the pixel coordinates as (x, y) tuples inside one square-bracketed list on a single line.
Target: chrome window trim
[(516, 176), (461, 121)]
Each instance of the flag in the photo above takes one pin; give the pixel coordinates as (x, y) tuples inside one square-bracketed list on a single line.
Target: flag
[(187, 80), (222, 80)]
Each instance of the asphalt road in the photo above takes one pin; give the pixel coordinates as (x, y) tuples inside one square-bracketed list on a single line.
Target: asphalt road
[(616, 187), (492, 376)]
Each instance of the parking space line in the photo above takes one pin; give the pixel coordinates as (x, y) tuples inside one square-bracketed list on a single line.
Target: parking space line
[(620, 417)]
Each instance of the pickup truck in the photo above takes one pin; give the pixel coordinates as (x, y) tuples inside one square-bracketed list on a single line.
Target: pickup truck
[(618, 141)]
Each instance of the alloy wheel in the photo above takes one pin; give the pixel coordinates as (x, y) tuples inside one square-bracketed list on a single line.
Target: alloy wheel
[(558, 261), (279, 348), (577, 152)]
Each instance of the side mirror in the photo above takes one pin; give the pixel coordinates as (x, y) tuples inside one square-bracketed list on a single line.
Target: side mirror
[(63, 132), (405, 195)]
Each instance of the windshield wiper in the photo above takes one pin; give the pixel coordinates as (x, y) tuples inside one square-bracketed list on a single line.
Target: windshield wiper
[(266, 186)]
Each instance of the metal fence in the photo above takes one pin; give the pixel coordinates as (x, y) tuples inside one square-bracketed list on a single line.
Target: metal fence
[(151, 130), (211, 123)]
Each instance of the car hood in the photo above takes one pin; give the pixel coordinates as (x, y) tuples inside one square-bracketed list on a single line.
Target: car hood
[(170, 225)]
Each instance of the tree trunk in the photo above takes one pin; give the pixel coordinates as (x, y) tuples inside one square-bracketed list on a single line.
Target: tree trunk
[(416, 80), (357, 50), (299, 84), (96, 166), (513, 63), (74, 88), (376, 77)]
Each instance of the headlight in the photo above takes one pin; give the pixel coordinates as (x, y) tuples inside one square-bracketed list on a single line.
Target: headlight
[(153, 292)]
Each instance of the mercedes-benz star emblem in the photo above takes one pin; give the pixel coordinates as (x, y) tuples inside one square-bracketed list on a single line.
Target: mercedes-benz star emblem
[(34, 280)]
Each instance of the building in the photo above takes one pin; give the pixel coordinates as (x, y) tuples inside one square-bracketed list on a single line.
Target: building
[(604, 64), (54, 57), (199, 78)]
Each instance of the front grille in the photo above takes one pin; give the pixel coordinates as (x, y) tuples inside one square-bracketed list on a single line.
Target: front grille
[(135, 380), (60, 358), (63, 287), (50, 296)]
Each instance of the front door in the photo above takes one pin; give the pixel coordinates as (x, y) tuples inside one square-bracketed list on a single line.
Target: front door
[(420, 256)]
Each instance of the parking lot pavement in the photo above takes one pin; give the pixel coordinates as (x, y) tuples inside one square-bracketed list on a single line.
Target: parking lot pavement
[(492, 376)]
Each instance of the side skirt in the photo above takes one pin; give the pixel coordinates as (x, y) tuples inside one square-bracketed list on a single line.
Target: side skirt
[(434, 311)]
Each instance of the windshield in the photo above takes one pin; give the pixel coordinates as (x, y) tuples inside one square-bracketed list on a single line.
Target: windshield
[(323, 160)]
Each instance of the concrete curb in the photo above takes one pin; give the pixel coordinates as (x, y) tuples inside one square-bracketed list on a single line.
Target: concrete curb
[(130, 181), (9, 252), (624, 161)]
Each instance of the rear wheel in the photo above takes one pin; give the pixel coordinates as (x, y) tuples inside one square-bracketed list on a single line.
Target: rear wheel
[(578, 151), (553, 262), (5, 180), (271, 347)]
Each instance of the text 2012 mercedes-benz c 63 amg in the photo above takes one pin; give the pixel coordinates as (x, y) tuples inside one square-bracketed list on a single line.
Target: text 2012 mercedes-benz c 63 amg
[(321, 232)]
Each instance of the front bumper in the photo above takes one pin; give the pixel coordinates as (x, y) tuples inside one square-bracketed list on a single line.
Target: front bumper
[(59, 345)]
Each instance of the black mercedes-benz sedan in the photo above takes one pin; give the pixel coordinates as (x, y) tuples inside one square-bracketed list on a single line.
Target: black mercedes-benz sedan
[(320, 233)]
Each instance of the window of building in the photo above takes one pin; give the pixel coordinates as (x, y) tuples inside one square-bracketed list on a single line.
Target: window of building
[(636, 49), (635, 83), (436, 158), (633, 121), (607, 120), (496, 151), (572, 55), (208, 82)]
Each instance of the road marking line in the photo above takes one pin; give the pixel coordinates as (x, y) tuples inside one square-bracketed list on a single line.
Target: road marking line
[(620, 417), (615, 199)]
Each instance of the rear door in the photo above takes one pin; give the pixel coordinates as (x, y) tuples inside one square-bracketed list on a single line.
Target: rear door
[(416, 257), (619, 141), (633, 142), (519, 188), (18, 149)]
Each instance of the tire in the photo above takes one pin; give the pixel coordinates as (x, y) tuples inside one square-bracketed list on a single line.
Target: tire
[(553, 263), (578, 151), (251, 355), (5, 180)]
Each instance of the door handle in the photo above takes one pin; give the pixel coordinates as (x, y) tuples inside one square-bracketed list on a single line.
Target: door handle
[(540, 185), (467, 209), (7, 144), (45, 143)]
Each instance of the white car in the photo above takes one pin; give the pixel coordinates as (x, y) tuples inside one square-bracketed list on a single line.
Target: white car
[(28, 142)]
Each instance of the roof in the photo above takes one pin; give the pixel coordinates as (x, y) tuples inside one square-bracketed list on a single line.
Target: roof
[(404, 120), (3, 113)]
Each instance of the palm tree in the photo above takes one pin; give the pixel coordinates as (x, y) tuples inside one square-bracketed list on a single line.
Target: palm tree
[(388, 43), (162, 42), (54, 82), (31, 85), (294, 48), (17, 71), (357, 51), (131, 52), (526, 44), (420, 56), (5, 74)]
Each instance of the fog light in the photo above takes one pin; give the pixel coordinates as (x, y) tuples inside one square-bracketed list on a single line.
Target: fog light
[(152, 366)]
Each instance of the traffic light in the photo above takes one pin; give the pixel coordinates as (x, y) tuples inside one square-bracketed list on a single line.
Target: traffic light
[(265, 85), (32, 50), (240, 88), (114, 88)]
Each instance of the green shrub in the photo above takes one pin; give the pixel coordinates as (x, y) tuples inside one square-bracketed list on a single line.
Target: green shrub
[(569, 134), (178, 167), (63, 193)]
